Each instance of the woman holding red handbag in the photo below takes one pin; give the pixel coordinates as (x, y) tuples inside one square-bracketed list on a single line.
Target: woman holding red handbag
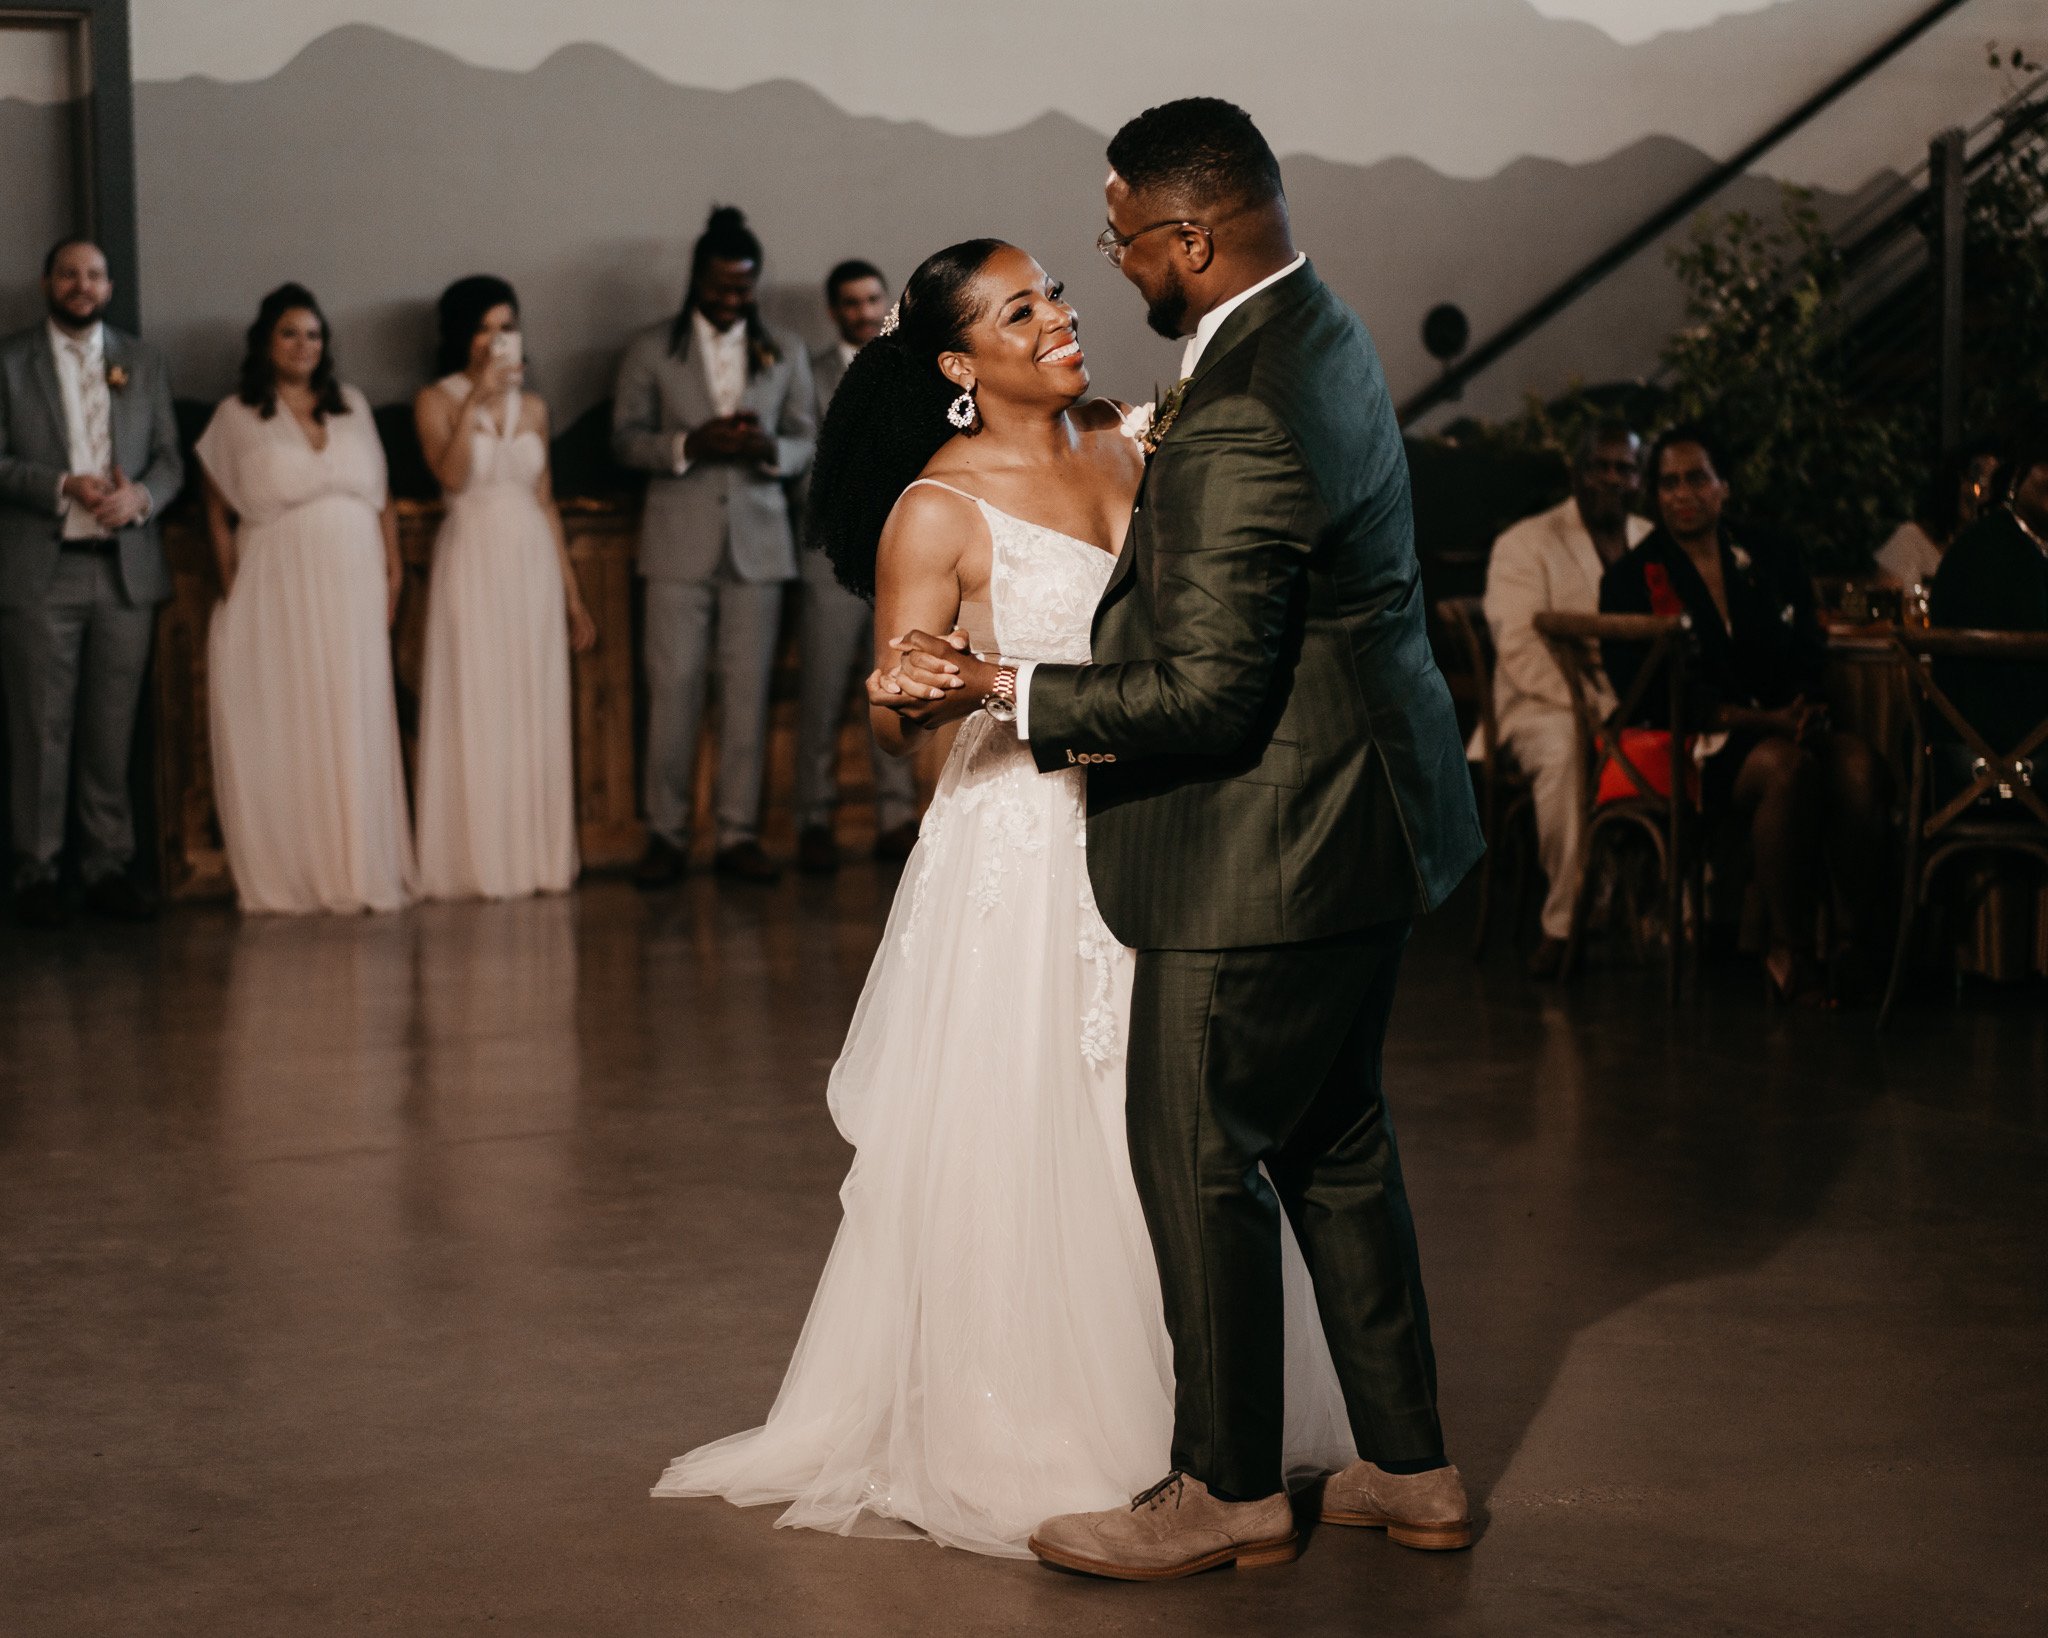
[(1814, 798)]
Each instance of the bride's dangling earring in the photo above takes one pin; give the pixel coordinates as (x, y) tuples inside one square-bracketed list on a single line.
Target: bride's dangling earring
[(963, 412)]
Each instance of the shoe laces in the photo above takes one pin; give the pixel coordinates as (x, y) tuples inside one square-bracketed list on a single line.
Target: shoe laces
[(1176, 1481)]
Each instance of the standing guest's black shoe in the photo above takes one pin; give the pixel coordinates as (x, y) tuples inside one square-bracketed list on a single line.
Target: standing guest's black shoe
[(119, 899), (744, 861), (816, 853), (1546, 961), (41, 903), (662, 865), (894, 844)]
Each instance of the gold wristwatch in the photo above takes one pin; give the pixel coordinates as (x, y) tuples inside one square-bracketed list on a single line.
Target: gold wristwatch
[(1000, 701)]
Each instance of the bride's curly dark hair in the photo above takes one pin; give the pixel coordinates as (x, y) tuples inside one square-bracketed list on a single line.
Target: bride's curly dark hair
[(888, 417)]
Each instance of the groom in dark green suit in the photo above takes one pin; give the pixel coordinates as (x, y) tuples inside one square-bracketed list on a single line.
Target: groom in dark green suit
[(1276, 787)]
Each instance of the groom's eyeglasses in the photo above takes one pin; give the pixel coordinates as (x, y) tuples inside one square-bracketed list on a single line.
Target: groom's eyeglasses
[(1113, 244)]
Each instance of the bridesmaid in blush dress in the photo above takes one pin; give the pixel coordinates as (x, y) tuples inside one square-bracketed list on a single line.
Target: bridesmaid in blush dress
[(307, 775), (497, 797)]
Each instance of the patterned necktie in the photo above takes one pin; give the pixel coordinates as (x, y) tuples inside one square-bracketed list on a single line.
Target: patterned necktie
[(94, 407)]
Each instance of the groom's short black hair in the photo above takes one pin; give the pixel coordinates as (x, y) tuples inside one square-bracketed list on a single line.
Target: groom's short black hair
[(1201, 151)]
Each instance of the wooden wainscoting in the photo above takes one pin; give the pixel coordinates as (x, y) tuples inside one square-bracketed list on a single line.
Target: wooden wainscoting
[(608, 721)]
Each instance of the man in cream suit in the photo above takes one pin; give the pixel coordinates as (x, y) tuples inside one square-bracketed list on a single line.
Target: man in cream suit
[(88, 461), (838, 629), (1554, 560), (721, 412)]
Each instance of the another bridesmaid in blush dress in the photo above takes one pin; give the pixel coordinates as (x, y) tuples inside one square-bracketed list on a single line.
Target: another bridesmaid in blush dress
[(308, 779), (497, 796)]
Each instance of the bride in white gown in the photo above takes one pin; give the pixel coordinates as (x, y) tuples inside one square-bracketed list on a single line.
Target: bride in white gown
[(986, 1347)]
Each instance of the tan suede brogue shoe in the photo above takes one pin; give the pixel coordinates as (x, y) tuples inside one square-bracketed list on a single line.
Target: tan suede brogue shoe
[(1174, 1529), (1426, 1510)]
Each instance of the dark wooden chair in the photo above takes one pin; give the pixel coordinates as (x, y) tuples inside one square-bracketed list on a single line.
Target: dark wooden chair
[(1506, 799), (1669, 822), (2000, 811)]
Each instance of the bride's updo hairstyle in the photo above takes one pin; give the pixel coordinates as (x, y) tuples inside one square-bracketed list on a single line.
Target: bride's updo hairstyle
[(888, 417)]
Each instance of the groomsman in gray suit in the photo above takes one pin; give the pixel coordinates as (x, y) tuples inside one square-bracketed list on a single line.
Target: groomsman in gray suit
[(82, 407), (720, 410), (838, 630)]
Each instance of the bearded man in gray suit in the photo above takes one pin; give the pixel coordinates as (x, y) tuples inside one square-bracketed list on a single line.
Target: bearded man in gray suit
[(81, 572), (720, 410), (838, 635)]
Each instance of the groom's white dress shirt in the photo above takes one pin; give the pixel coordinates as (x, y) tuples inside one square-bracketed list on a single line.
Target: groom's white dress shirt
[(1198, 343)]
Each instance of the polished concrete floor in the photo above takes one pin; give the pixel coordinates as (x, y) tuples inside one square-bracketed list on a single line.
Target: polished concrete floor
[(361, 1275)]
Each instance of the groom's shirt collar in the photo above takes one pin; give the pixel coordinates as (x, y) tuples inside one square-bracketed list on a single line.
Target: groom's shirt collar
[(1213, 320)]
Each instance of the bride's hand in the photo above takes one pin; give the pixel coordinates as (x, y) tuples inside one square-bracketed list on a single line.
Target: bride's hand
[(940, 679)]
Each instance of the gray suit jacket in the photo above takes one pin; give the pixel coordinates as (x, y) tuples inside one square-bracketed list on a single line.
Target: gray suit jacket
[(35, 454), (689, 520)]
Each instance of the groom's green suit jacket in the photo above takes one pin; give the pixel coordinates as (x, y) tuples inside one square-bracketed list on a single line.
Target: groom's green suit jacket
[(1272, 753)]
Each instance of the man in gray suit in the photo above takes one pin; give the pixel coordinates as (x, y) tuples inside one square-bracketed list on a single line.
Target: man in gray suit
[(721, 412), (838, 630), (82, 569)]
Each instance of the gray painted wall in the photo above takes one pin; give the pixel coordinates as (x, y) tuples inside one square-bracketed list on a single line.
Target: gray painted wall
[(376, 170), (37, 196)]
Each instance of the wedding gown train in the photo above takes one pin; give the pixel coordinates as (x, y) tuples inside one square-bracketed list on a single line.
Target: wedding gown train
[(986, 1346)]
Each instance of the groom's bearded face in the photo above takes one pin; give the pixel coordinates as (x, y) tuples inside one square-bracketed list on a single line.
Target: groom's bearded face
[(1166, 303)]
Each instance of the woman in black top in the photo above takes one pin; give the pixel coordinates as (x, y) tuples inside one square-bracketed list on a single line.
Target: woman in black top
[(1813, 797)]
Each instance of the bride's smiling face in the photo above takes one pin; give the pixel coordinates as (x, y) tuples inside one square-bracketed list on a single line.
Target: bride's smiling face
[(1025, 347)]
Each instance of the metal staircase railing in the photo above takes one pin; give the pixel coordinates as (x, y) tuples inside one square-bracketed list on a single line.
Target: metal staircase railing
[(1452, 382)]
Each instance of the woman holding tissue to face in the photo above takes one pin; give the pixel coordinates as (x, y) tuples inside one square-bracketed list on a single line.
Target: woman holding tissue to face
[(496, 787)]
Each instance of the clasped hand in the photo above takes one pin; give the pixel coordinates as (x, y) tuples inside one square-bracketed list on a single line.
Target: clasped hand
[(936, 681), (114, 502)]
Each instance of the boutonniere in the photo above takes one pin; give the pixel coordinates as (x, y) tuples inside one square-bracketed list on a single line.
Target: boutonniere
[(1739, 558), (1146, 425), (117, 378)]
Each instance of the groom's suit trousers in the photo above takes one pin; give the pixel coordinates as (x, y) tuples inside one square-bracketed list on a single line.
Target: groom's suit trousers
[(1270, 1057)]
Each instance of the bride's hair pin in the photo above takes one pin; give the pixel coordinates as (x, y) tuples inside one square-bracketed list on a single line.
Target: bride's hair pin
[(895, 318)]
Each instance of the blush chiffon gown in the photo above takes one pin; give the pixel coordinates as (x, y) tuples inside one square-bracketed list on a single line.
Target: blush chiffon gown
[(308, 779), (497, 797)]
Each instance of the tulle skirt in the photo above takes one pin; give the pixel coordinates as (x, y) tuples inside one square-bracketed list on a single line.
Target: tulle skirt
[(986, 1346)]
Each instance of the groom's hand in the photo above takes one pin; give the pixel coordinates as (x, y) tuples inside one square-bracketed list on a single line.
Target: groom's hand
[(937, 680)]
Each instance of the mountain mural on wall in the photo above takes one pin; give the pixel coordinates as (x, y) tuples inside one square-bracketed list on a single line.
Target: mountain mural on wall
[(376, 170)]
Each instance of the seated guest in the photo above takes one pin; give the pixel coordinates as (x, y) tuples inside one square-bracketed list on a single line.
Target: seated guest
[(307, 775), (1956, 495), (1554, 560), (1995, 578), (837, 629), (1811, 798), (497, 779)]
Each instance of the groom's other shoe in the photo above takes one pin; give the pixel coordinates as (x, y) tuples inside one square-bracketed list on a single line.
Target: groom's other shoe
[(1426, 1510), (1174, 1529)]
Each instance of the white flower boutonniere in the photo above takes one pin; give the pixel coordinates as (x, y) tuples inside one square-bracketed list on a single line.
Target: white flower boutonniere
[(1740, 558), (1137, 423)]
